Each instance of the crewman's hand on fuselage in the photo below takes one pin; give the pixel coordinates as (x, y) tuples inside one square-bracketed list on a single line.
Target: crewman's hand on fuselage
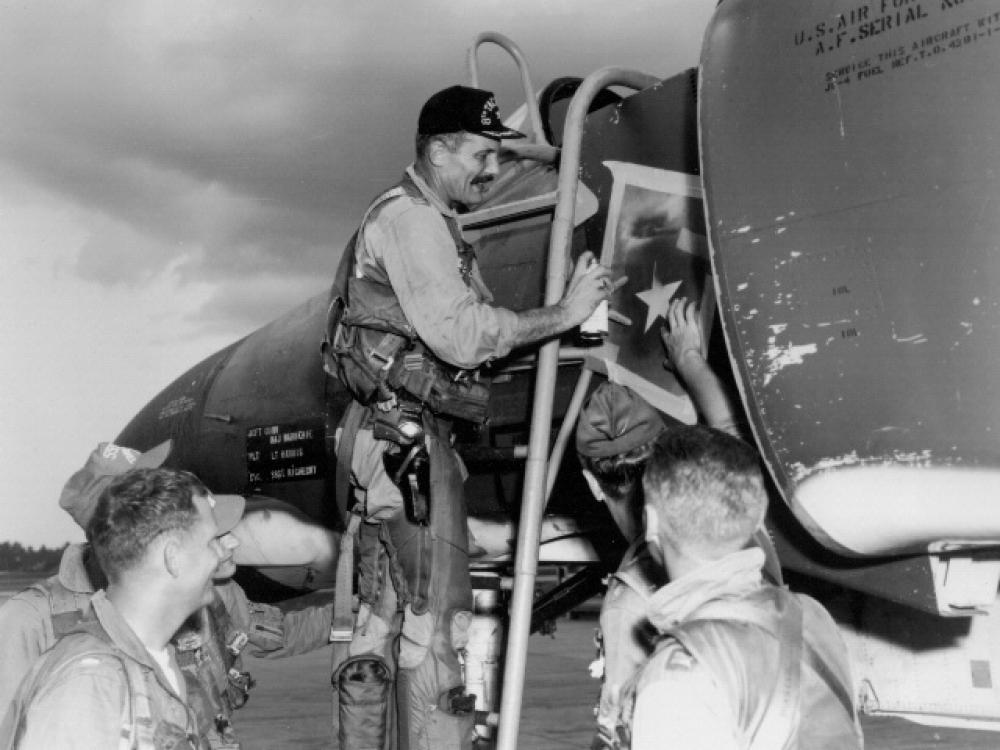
[(589, 286), (681, 335)]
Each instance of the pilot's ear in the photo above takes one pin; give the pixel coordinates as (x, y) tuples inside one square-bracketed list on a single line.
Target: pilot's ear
[(595, 486), (171, 552), (436, 151)]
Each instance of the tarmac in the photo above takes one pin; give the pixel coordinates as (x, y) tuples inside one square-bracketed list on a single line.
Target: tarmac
[(290, 707)]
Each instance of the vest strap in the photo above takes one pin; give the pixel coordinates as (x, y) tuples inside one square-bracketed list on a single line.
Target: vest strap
[(840, 691), (138, 727), (776, 716), (68, 608)]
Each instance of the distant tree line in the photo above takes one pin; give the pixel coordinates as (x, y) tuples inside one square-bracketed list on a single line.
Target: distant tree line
[(15, 557)]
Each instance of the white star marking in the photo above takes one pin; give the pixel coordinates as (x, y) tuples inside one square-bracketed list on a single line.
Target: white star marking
[(657, 299)]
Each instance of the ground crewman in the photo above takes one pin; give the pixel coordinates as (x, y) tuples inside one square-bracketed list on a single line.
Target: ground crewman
[(740, 662)]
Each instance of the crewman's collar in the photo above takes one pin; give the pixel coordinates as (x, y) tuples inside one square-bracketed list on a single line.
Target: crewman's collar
[(429, 194), (73, 570), (733, 575)]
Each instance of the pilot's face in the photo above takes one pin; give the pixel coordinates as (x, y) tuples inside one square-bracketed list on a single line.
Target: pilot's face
[(467, 173), (209, 554), (226, 545)]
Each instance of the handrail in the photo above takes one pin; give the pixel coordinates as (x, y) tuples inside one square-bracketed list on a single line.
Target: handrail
[(530, 100), (533, 499)]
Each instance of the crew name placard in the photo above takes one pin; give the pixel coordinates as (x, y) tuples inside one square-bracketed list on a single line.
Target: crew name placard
[(285, 452)]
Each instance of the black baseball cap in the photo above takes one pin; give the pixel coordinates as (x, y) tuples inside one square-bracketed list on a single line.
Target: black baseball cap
[(459, 108)]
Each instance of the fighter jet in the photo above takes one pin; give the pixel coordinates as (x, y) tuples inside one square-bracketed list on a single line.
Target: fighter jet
[(825, 184)]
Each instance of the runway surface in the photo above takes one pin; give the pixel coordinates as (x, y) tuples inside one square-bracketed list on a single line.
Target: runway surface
[(291, 704), (290, 707)]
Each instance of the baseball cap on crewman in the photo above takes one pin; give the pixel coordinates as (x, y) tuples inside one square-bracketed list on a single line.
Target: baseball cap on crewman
[(615, 420), (107, 461), (459, 108)]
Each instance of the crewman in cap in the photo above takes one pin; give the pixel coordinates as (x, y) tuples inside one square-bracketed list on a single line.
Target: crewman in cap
[(208, 644), (615, 437), (419, 324), (161, 538)]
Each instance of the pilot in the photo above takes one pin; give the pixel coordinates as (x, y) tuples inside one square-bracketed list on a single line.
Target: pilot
[(209, 643), (115, 679), (615, 435), (739, 662), (418, 326)]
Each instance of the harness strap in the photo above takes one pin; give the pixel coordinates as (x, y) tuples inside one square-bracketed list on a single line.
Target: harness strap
[(68, 608), (342, 627), (836, 686), (774, 720), (138, 727)]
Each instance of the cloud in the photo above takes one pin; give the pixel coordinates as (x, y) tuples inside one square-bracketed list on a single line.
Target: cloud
[(175, 173)]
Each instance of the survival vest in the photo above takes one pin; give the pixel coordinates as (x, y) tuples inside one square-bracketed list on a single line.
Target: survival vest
[(376, 353), (207, 650), (139, 728), (208, 653), (771, 698)]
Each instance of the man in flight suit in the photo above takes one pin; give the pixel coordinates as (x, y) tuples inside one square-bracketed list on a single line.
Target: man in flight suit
[(740, 663), (615, 437), (115, 680), (413, 274), (209, 643)]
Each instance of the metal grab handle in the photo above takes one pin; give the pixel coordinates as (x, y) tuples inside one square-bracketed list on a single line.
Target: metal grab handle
[(533, 500), (530, 100)]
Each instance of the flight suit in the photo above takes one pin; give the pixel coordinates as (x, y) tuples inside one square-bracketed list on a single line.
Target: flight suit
[(741, 664), (626, 636), (209, 645), (98, 687), (409, 255)]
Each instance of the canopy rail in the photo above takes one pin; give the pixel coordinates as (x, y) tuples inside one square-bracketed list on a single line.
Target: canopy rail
[(530, 99)]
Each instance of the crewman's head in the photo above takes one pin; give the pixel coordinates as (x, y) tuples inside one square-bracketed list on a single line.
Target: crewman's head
[(458, 143), (105, 462), (614, 439), (704, 493), (164, 524)]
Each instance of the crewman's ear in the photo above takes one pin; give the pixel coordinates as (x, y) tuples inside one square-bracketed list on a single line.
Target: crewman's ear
[(172, 557), (595, 486), (437, 150)]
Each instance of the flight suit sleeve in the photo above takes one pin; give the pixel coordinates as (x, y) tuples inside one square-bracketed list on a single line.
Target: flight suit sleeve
[(421, 263), (274, 632), (681, 706), (305, 625), (22, 641), (623, 625), (83, 709)]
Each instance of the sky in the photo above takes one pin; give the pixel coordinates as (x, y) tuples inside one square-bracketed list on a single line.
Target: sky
[(176, 173)]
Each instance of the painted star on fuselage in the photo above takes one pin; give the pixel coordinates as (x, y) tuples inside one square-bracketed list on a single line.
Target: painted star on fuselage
[(657, 299)]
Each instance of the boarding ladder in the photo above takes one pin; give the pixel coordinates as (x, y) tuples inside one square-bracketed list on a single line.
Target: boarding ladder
[(538, 480)]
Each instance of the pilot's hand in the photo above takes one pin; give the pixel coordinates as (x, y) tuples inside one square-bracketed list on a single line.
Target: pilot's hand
[(590, 285), (681, 335)]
